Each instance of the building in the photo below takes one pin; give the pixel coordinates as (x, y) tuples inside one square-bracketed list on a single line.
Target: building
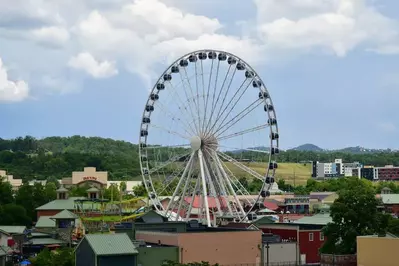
[(386, 173), (377, 250), (335, 169), (226, 246), (305, 232), (327, 170), (150, 254), (297, 204), (15, 183), (390, 203), (89, 176), (106, 250), (7, 233)]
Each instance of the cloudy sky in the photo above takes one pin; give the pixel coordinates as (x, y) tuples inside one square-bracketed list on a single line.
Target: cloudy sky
[(85, 67)]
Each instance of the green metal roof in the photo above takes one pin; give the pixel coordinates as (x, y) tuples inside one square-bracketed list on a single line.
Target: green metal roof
[(45, 241), (111, 244), (44, 222), (390, 198), (61, 204), (13, 229), (319, 219), (64, 215), (93, 189)]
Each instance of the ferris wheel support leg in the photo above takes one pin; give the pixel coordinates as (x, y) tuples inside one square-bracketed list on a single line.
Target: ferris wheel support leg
[(204, 190), (188, 166), (230, 186), (224, 189), (214, 192), (184, 191)]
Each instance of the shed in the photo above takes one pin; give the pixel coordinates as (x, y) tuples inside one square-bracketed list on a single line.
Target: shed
[(106, 250)]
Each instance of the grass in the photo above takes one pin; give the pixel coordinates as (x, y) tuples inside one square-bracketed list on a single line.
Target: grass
[(285, 171)]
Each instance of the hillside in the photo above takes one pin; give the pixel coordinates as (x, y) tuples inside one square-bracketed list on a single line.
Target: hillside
[(308, 147), (57, 157)]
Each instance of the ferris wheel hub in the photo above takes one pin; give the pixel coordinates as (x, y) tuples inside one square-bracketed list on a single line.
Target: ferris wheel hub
[(195, 143)]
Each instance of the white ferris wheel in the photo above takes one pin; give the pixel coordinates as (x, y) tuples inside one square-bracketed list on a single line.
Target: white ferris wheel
[(206, 108)]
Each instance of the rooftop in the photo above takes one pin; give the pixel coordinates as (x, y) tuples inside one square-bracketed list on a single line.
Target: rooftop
[(13, 229), (61, 204), (390, 198), (64, 215), (111, 244), (318, 219)]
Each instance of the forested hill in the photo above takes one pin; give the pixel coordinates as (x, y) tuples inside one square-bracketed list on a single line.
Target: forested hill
[(30, 158), (74, 144)]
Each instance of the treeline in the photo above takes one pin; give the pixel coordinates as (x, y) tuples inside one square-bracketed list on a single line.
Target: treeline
[(29, 158)]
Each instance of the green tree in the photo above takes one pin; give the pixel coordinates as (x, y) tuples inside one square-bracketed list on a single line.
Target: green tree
[(123, 187), (25, 198), (140, 191), (353, 214), (12, 214), (50, 190), (112, 193), (6, 193)]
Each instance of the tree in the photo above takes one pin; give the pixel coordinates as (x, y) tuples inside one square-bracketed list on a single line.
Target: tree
[(60, 257), (112, 193), (140, 191), (123, 187), (353, 214), (50, 190), (6, 193), (25, 198), (12, 214)]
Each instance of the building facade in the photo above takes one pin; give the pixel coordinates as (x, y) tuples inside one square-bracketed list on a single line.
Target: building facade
[(374, 250)]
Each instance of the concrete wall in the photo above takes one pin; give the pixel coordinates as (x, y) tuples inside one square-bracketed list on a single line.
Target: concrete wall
[(381, 251), (225, 248), (150, 256), (287, 253)]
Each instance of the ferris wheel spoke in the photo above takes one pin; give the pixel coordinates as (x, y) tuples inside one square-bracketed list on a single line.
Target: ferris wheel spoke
[(175, 174), (174, 117), (223, 101), (186, 184), (197, 95), (230, 186), (193, 96), (232, 107), (238, 117), (181, 180), (214, 104), (207, 95), (219, 118), (182, 108), (170, 146), (190, 207), (169, 162), (170, 131), (243, 132), (188, 98), (241, 166), (244, 149)]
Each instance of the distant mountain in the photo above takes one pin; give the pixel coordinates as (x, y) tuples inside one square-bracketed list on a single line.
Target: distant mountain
[(308, 147), (359, 149), (259, 148)]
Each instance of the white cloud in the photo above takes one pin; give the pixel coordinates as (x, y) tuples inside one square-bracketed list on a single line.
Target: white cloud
[(140, 34), (336, 25), (97, 69), (51, 35), (11, 91)]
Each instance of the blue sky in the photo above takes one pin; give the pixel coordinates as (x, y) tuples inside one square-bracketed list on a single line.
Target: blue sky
[(85, 69)]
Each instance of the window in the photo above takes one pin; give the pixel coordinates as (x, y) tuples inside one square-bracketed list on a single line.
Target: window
[(321, 236), (310, 236)]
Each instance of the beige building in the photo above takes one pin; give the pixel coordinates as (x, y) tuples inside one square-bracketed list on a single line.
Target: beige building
[(377, 251), (15, 183), (89, 175)]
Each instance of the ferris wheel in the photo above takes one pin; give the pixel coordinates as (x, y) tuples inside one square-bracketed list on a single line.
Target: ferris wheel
[(206, 108)]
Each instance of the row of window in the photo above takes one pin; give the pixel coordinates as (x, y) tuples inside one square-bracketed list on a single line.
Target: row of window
[(311, 236)]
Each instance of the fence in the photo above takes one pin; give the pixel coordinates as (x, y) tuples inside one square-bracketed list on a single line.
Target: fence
[(338, 260), (290, 263)]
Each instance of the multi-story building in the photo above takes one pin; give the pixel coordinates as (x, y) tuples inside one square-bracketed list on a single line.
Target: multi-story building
[(335, 169), (388, 172)]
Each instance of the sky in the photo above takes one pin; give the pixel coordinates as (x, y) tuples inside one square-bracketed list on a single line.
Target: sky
[(86, 67)]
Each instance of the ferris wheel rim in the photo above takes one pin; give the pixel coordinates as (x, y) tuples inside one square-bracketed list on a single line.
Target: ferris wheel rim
[(274, 143)]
